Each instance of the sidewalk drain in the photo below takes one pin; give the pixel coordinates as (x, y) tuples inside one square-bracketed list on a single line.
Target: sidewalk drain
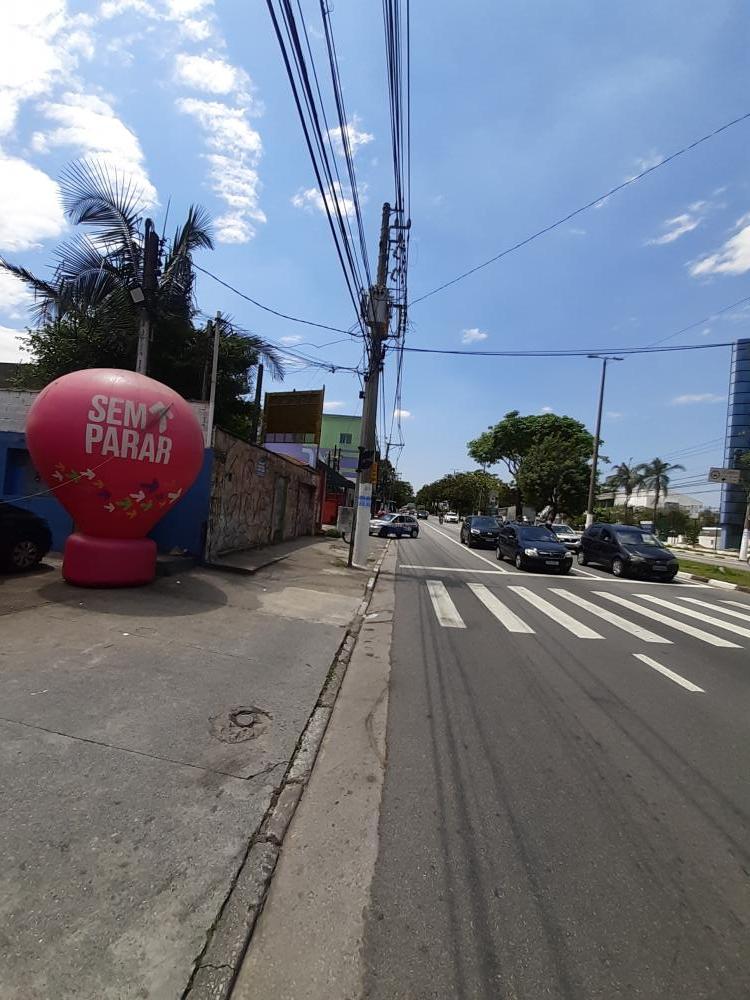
[(239, 723)]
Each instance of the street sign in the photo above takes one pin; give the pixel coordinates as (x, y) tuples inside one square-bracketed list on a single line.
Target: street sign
[(732, 476), (493, 499)]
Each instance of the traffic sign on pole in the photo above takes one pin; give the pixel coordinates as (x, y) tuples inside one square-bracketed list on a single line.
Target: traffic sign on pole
[(731, 476)]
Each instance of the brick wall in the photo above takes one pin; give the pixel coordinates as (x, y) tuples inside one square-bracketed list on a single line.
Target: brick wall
[(258, 497)]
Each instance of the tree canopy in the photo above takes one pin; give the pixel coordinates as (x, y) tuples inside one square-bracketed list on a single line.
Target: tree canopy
[(464, 492), (392, 486)]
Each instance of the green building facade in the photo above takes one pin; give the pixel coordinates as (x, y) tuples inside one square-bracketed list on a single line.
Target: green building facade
[(339, 439)]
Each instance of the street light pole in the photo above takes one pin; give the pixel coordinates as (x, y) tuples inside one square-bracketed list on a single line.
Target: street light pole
[(595, 455)]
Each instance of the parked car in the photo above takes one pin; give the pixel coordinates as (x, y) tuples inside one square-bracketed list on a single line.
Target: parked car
[(451, 517), (394, 526), (531, 546), (570, 538), (423, 514), (478, 530), (627, 550), (25, 538)]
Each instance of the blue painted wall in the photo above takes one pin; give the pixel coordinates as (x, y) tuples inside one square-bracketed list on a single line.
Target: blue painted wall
[(183, 527), (737, 442)]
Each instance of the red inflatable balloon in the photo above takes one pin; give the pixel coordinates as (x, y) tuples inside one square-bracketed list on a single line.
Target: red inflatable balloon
[(119, 450)]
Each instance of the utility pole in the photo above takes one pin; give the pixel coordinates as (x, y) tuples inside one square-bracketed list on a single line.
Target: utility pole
[(595, 456), (256, 413), (376, 314), (216, 325), (143, 295)]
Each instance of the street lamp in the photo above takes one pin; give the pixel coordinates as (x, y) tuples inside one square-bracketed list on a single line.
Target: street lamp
[(595, 456)]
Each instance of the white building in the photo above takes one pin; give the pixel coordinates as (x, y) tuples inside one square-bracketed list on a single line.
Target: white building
[(644, 498)]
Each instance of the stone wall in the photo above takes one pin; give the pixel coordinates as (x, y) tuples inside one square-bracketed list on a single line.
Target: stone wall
[(258, 497)]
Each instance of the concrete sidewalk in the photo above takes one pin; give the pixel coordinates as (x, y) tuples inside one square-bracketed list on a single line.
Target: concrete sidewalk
[(143, 734)]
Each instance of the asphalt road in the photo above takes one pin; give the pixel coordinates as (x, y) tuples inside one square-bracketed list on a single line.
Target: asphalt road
[(566, 809)]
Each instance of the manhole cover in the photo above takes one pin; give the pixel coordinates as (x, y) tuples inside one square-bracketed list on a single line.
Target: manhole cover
[(239, 723)]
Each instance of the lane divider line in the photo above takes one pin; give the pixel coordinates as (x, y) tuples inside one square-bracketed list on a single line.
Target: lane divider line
[(688, 685), (445, 610), (614, 619), (504, 615), (697, 633), (499, 568), (561, 617)]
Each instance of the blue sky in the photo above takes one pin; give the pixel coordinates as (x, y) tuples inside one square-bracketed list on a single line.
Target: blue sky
[(520, 112)]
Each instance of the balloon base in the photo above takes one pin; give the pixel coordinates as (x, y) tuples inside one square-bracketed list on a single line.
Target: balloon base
[(108, 562)]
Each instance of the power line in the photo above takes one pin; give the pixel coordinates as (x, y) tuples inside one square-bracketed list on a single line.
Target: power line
[(701, 322), (268, 309), (584, 208), (578, 353)]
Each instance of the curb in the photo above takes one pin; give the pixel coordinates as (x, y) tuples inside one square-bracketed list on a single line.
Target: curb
[(720, 584), (228, 938)]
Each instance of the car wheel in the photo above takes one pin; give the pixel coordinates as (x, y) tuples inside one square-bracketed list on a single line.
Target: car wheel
[(499, 554), (582, 560), (25, 554), (618, 567), (520, 561), (414, 532), (564, 570), (671, 577)]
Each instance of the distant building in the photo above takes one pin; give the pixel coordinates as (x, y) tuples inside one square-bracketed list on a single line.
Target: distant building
[(642, 498), (339, 443), (291, 424)]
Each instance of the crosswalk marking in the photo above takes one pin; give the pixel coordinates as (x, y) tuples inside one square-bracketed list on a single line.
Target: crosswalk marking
[(668, 673), (567, 622), (715, 607), (496, 607), (736, 604), (445, 610), (700, 616), (609, 616), (697, 633)]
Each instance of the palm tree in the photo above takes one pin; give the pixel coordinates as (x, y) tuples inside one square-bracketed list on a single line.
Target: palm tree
[(626, 477), (655, 476), (97, 272)]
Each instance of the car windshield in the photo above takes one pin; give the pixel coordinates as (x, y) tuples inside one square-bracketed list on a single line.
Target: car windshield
[(631, 539), (537, 533), (484, 523), (562, 529), (386, 517)]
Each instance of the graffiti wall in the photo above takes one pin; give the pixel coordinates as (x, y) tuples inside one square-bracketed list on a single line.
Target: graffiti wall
[(258, 498)]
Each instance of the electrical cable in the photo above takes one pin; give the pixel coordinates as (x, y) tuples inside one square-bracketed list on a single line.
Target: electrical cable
[(584, 208), (578, 353)]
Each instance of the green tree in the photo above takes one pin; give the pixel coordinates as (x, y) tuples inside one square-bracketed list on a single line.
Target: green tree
[(464, 492), (628, 478), (85, 314), (555, 478), (392, 486), (655, 477), (517, 439)]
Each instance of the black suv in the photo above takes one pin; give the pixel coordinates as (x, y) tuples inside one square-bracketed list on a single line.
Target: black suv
[(480, 530), (627, 550), (25, 538)]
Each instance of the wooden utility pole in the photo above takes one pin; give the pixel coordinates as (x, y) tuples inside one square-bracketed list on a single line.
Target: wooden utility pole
[(144, 295)]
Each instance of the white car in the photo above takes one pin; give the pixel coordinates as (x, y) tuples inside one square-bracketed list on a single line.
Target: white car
[(395, 525), (450, 517), (570, 538)]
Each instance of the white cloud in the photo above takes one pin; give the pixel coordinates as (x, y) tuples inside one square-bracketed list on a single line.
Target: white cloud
[(697, 397), (311, 200), (402, 414), (90, 126), (614, 415), (356, 136), (330, 405), (10, 345), (732, 258), (13, 293), (236, 150), (113, 8), (575, 231), (212, 75), (30, 205), (677, 227), (642, 163), (547, 409), (185, 8), (290, 340), (196, 30), (473, 336)]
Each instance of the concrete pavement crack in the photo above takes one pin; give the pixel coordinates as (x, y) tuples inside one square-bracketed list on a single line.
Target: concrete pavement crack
[(138, 753)]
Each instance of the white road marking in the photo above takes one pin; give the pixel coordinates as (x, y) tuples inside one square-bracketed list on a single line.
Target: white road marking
[(609, 616), (578, 629), (700, 616), (445, 610), (500, 569), (585, 572), (453, 569), (496, 607), (697, 633), (723, 611), (737, 604), (668, 673)]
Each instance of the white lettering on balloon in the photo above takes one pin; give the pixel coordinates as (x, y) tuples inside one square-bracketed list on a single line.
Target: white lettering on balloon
[(120, 428)]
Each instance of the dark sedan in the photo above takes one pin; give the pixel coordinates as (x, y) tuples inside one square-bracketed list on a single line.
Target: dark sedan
[(627, 551), (479, 530), (25, 538), (532, 546)]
